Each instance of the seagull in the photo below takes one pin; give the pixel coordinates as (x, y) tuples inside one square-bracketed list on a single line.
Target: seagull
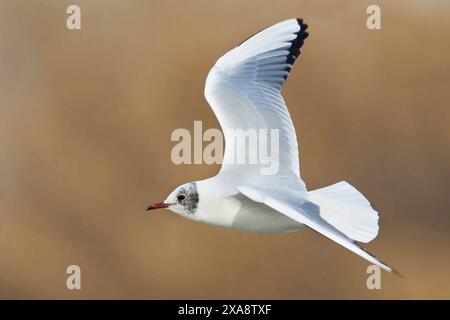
[(244, 91)]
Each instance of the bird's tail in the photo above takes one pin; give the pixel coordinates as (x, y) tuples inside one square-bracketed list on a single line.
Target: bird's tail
[(344, 207)]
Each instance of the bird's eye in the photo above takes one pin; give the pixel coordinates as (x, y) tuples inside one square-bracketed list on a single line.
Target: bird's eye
[(181, 197)]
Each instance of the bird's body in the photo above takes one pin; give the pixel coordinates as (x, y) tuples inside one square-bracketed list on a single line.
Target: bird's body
[(244, 91), (222, 206)]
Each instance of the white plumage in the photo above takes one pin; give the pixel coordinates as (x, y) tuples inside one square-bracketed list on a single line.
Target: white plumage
[(243, 89)]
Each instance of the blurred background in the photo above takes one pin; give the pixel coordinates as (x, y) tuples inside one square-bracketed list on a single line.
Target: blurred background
[(85, 124)]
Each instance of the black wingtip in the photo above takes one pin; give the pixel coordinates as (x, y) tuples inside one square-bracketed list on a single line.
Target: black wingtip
[(297, 43), (303, 26), (397, 273)]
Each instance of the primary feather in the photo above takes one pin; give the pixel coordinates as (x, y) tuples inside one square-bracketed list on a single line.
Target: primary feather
[(243, 88)]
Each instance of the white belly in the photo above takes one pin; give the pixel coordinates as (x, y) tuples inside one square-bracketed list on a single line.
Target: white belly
[(220, 205), (241, 213), (257, 217)]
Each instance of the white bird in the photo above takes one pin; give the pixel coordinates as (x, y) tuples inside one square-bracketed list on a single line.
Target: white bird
[(244, 91)]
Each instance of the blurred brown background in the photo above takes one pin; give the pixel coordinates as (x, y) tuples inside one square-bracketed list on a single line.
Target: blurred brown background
[(85, 125)]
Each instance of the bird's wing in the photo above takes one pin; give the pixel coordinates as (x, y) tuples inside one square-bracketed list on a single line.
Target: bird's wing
[(243, 89), (296, 205)]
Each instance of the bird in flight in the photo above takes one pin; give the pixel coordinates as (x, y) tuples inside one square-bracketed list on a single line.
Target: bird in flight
[(244, 91)]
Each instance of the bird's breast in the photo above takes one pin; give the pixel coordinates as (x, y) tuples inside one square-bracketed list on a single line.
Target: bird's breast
[(239, 212)]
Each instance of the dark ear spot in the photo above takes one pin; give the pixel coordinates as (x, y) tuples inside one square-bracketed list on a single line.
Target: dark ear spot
[(190, 199)]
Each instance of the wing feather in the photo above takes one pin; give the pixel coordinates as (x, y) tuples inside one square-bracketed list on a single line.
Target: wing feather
[(243, 89), (297, 206)]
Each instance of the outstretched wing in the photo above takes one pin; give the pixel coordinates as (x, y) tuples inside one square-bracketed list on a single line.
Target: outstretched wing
[(243, 89), (296, 206)]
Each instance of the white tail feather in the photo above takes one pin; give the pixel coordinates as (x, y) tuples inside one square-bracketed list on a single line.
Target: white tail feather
[(344, 207)]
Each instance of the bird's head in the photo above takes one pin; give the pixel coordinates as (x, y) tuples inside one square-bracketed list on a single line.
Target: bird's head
[(183, 200)]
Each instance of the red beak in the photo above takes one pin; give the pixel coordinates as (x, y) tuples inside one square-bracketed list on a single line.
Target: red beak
[(158, 205)]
